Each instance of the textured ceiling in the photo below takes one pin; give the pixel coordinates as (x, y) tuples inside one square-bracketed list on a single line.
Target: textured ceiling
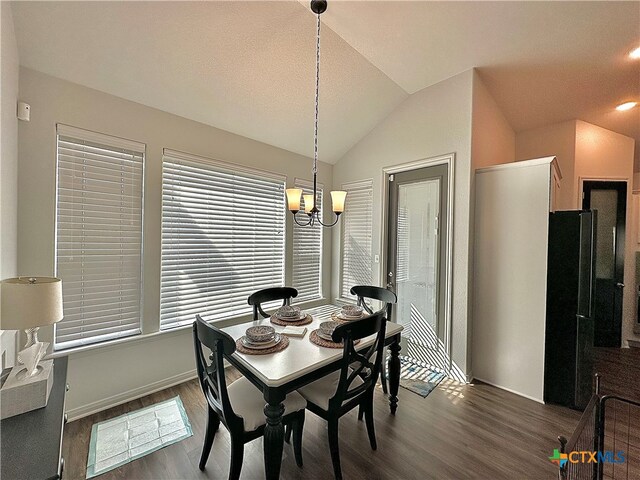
[(544, 62), (248, 67), (245, 67)]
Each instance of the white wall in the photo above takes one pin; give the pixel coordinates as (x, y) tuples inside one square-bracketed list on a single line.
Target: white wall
[(110, 374), (431, 122), (557, 140), (8, 165), (603, 154), (493, 141), (510, 294), (8, 145)]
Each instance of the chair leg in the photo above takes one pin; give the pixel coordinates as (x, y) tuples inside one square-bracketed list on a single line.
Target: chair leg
[(287, 433), (237, 454), (297, 428), (383, 376), (334, 447), (368, 417), (360, 412), (213, 422)]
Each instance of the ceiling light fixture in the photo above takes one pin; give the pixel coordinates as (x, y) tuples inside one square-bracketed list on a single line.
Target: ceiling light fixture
[(635, 53), (626, 106), (294, 194)]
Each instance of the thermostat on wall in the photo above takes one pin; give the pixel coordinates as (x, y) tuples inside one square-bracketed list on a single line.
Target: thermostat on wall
[(24, 111)]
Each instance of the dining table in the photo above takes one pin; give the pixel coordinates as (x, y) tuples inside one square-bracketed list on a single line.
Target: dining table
[(302, 362)]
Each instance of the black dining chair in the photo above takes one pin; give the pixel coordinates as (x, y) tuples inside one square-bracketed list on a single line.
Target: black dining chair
[(239, 406), (256, 299), (353, 385), (364, 292)]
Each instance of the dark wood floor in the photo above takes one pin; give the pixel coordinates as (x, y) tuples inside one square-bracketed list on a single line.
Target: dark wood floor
[(458, 431), (620, 371)]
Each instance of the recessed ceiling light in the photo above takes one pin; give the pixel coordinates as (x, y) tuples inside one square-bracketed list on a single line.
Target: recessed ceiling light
[(626, 106), (635, 53)]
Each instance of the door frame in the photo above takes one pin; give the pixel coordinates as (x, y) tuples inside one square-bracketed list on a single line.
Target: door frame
[(581, 181), (447, 159), (629, 208)]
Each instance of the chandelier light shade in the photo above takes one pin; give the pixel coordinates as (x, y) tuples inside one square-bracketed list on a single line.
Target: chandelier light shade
[(293, 199), (309, 203), (338, 198), (294, 195)]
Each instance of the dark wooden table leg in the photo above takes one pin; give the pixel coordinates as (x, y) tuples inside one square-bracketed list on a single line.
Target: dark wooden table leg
[(273, 435), (394, 374)]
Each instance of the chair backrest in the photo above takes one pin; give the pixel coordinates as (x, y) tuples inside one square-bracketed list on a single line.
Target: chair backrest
[(269, 294), (376, 293), (364, 364), (211, 375)]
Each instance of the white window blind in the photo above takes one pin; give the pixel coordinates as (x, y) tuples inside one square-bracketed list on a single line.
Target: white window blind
[(223, 230), (356, 236), (307, 252), (98, 236)]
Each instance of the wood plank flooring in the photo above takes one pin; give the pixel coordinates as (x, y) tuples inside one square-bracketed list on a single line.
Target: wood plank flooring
[(620, 371), (620, 375), (457, 432)]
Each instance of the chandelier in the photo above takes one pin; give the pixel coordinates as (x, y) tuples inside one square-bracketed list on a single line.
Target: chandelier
[(311, 207)]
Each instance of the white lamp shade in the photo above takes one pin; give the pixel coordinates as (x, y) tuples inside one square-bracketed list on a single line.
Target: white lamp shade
[(29, 302), (338, 198), (293, 198), (309, 203)]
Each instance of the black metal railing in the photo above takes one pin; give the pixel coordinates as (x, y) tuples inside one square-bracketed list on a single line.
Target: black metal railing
[(585, 437), (609, 426), (619, 438)]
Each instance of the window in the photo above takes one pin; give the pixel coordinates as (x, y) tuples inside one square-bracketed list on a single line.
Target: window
[(223, 230), (307, 252), (98, 236), (356, 236)]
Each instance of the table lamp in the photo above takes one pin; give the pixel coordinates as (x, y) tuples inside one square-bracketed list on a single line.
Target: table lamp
[(29, 303)]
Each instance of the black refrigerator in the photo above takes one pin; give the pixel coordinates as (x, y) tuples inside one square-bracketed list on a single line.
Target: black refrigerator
[(569, 332)]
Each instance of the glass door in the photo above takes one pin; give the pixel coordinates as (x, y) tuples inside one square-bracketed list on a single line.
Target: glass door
[(415, 261)]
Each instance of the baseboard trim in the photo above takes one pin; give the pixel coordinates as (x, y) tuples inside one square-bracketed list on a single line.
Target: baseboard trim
[(510, 390), (133, 394)]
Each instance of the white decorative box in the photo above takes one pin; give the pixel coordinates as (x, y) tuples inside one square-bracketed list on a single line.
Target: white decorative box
[(23, 395)]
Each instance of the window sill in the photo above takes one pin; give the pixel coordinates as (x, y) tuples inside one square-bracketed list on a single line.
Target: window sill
[(120, 342), (142, 338), (159, 335)]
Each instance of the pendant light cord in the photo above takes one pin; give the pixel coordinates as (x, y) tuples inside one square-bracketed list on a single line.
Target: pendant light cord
[(317, 6), (315, 130)]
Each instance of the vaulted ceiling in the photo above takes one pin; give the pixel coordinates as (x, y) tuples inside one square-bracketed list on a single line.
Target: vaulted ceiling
[(248, 67)]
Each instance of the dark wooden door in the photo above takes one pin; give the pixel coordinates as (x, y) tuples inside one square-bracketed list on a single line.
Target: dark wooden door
[(609, 199)]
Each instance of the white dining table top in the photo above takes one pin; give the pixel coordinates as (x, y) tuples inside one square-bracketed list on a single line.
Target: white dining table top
[(301, 356)]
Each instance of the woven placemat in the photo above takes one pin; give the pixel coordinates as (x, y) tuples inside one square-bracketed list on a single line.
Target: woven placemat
[(321, 342), (298, 323), (335, 318), (284, 343)]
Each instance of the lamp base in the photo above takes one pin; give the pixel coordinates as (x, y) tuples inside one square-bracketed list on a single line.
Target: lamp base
[(32, 337), (22, 374), (22, 393)]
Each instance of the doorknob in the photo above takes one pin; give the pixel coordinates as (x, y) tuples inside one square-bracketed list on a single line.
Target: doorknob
[(619, 284)]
